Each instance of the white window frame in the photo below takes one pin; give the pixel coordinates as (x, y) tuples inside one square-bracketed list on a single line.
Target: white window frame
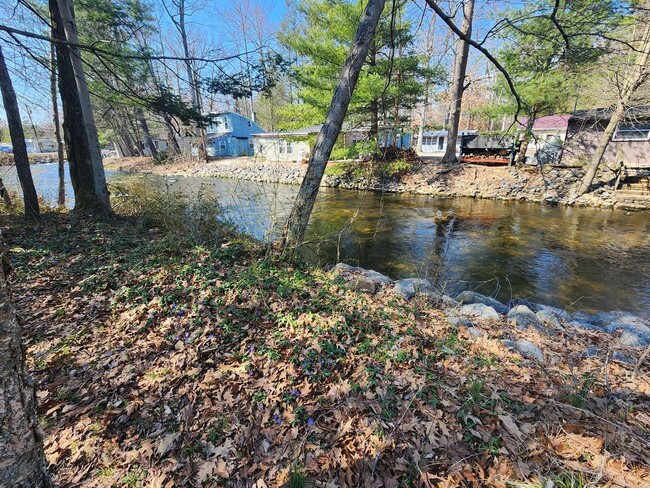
[(289, 148), (618, 137), (222, 145)]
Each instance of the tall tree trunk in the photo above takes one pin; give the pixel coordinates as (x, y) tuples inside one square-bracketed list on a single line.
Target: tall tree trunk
[(90, 192), (294, 232), (195, 93), (18, 142), (22, 463), (458, 85), (523, 148), (57, 128), (147, 135), (173, 147), (636, 78)]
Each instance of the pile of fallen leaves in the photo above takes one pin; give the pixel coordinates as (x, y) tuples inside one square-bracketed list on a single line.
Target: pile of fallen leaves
[(159, 363)]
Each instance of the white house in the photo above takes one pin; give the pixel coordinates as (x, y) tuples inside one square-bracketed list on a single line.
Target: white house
[(435, 142), (290, 146)]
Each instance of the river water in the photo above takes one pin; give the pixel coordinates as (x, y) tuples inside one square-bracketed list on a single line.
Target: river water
[(576, 258)]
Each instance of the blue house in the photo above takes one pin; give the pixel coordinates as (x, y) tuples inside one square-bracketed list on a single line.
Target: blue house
[(230, 134)]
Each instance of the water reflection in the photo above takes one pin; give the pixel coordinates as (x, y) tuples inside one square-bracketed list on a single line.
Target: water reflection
[(589, 258)]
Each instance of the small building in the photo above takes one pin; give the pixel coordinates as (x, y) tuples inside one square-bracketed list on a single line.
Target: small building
[(40, 146), (295, 145), (435, 142), (231, 135), (630, 143), (549, 134)]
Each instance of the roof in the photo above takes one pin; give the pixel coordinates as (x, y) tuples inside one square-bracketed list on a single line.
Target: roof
[(435, 133), (547, 122), (313, 129), (641, 112)]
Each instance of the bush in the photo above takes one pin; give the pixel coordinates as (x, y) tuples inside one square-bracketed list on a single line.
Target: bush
[(162, 157), (198, 217)]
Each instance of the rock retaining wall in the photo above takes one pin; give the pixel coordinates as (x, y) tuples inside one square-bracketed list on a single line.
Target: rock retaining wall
[(470, 309), (554, 186)]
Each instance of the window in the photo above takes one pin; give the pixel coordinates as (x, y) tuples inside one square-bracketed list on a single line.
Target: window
[(222, 144), (441, 143), (226, 123), (289, 148), (632, 131), (282, 147)]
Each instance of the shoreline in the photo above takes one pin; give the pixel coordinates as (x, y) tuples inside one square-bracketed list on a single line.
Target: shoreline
[(525, 184)]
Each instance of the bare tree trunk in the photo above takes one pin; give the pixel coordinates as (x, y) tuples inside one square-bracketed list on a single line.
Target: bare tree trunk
[(173, 147), (523, 148), (57, 128), (195, 93), (458, 86), (294, 232), (636, 78), (147, 135), (30, 198), (22, 462), (4, 194), (91, 194)]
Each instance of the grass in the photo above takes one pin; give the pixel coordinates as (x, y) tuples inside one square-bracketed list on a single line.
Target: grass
[(186, 355)]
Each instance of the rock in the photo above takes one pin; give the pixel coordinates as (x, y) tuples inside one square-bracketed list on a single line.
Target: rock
[(604, 319), (408, 287), (475, 332), (480, 311), (622, 358), (634, 334), (549, 318), (472, 297), (361, 279), (581, 316), (632, 339), (526, 348), (460, 321), (523, 317), (585, 325), (440, 298), (558, 312), (590, 352)]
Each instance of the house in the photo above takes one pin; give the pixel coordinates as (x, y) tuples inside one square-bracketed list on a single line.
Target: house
[(435, 143), (231, 134), (630, 143), (40, 145), (295, 146), (549, 134)]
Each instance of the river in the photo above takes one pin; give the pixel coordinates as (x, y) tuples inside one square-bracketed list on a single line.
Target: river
[(577, 258)]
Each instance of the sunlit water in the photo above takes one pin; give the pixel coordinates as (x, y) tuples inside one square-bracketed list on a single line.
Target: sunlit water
[(580, 258)]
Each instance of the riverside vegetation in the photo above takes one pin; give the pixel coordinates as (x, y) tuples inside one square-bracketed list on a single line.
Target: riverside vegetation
[(170, 350)]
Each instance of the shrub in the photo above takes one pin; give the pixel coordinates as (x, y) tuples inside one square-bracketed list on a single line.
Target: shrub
[(198, 217), (161, 157)]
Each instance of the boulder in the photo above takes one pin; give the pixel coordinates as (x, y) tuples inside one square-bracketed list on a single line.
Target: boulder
[(479, 310), (523, 317), (459, 321), (360, 278), (622, 358), (526, 348), (475, 332), (590, 352), (439, 298), (472, 297), (603, 319), (408, 287), (630, 330), (548, 318)]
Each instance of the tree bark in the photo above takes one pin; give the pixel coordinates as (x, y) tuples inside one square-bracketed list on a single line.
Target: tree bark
[(22, 462), (173, 149), (636, 78), (80, 159), (296, 225), (147, 135), (66, 11), (57, 128), (4, 194), (458, 86), (21, 160)]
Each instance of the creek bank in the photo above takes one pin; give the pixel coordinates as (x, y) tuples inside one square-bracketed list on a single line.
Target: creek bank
[(470, 309), (554, 186)]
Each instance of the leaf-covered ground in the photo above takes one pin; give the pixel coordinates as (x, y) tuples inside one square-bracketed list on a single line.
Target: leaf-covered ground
[(159, 363)]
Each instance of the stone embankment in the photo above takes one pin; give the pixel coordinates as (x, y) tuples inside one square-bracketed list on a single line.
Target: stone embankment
[(552, 186), (472, 310)]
